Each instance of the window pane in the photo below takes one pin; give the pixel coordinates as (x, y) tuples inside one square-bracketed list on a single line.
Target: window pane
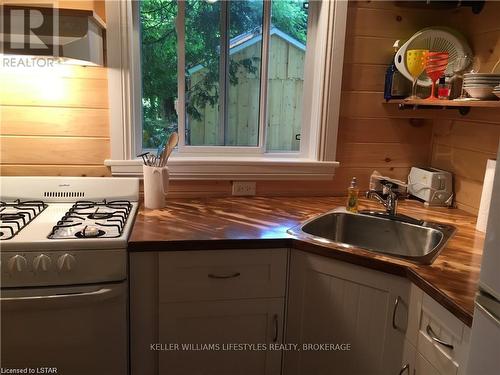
[(287, 48), (245, 47), (223, 97), (203, 37), (159, 70)]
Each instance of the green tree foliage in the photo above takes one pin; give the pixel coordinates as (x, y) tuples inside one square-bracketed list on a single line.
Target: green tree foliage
[(159, 53)]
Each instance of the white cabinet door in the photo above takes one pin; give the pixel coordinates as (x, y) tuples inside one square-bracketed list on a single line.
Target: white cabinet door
[(339, 303), (203, 330), (408, 359)]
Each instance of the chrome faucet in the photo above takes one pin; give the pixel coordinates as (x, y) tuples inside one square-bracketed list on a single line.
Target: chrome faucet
[(387, 197)]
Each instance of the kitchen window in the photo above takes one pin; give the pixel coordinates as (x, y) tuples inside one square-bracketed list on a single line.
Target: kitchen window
[(255, 82)]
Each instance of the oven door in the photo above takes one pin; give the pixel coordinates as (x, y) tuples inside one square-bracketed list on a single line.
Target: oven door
[(76, 330)]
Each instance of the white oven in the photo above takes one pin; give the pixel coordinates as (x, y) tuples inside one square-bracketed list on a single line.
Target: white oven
[(79, 330)]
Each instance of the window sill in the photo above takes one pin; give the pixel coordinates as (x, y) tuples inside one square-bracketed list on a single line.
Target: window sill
[(235, 168)]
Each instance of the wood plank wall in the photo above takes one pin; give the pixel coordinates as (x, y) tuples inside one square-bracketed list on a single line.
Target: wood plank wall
[(70, 135), (54, 120), (373, 135), (463, 144)]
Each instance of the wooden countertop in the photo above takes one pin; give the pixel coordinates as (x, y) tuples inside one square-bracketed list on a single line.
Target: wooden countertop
[(243, 223)]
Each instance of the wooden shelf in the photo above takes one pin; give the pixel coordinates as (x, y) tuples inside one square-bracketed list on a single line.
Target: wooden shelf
[(448, 103), (462, 106)]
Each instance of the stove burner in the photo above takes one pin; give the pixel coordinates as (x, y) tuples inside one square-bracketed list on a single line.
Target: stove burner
[(85, 217), (90, 232)]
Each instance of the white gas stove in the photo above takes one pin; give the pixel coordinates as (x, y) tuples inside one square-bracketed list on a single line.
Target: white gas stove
[(63, 244), (48, 224)]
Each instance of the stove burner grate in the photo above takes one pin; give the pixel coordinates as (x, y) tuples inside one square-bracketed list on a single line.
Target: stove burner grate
[(15, 215), (83, 218)]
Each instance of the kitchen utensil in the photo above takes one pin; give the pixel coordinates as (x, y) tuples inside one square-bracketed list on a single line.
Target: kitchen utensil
[(143, 156), (415, 60), (169, 147), (434, 39), (436, 63)]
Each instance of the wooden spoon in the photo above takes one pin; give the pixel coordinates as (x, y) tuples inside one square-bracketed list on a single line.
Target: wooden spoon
[(169, 147)]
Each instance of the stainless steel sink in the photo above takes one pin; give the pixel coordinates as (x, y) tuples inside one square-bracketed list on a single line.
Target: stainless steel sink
[(399, 236)]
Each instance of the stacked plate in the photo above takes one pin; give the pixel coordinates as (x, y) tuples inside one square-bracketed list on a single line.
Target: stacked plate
[(481, 85), (496, 91)]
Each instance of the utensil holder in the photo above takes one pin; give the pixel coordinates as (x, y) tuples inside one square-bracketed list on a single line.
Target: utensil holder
[(156, 180)]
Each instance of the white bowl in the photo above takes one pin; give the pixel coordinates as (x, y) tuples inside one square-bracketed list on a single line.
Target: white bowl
[(479, 85), (482, 75), (483, 93), (489, 83), (484, 82)]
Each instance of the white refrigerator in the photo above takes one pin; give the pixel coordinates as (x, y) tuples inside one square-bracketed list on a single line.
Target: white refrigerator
[(484, 355)]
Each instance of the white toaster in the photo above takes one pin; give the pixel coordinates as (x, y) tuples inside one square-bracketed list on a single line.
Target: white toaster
[(432, 185)]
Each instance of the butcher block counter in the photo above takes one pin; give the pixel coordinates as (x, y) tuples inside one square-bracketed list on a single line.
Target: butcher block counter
[(262, 222)]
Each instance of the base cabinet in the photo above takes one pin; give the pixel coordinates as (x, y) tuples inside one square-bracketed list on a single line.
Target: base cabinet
[(191, 311), (333, 302), (207, 312), (212, 337)]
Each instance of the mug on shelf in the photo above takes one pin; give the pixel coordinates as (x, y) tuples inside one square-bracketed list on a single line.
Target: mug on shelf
[(155, 186)]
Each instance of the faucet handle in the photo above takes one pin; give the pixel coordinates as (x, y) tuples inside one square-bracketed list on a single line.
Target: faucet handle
[(390, 187)]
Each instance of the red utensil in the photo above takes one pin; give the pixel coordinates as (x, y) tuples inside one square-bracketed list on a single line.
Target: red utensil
[(435, 67)]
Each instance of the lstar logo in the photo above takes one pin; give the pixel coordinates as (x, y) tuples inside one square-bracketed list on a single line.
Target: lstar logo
[(29, 30)]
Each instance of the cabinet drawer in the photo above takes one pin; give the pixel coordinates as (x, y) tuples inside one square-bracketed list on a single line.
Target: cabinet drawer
[(423, 367), (441, 360), (221, 274), (442, 338)]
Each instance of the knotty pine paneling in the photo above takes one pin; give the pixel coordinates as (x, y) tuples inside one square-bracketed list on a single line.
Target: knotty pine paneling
[(462, 144), (462, 147), (373, 135), (54, 170), (53, 150), (54, 121)]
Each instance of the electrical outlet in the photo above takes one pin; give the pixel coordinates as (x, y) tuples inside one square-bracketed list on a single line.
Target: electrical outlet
[(244, 187)]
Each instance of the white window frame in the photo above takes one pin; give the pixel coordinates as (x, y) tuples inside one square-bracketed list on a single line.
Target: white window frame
[(316, 158)]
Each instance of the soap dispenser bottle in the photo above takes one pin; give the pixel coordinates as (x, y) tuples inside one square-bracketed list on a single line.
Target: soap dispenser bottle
[(352, 196)]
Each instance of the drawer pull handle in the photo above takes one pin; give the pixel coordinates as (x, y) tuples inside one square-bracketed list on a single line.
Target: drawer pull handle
[(405, 368), (275, 320), (228, 276), (433, 337), (396, 304)]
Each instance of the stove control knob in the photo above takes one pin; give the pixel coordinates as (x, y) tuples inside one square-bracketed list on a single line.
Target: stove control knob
[(17, 263), (66, 262), (42, 263)]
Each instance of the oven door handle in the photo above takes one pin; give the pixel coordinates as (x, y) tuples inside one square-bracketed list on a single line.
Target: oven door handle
[(98, 292)]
